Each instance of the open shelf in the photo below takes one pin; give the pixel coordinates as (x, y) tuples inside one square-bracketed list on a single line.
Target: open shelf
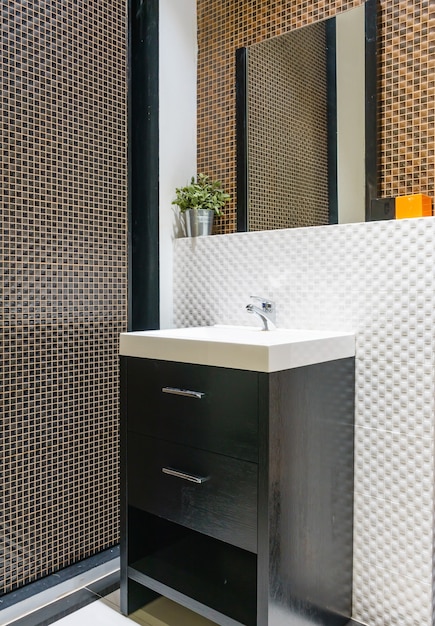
[(201, 573)]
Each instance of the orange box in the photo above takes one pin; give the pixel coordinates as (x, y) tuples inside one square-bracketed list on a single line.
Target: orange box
[(417, 205)]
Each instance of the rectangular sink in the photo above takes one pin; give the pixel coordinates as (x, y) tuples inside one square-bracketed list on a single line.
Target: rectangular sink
[(240, 347)]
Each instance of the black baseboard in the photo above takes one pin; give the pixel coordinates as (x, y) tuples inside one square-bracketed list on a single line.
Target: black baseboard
[(73, 602), (57, 609)]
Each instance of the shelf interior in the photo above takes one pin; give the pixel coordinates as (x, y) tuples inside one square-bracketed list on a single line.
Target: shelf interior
[(205, 569)]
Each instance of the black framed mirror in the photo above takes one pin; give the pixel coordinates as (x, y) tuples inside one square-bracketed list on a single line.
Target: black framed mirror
[(306, 117)]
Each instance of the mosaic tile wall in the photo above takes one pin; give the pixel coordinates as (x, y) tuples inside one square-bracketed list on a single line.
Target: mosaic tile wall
[(62, 280), (377, 280), (285, 191), (406, 87)]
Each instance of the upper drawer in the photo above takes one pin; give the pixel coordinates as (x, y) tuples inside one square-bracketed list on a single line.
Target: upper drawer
[(221, 415)]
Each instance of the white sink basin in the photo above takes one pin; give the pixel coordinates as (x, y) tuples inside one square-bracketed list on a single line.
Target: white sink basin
[(239, 347)]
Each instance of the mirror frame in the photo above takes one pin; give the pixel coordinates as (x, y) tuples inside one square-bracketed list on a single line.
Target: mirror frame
[(371, 121)]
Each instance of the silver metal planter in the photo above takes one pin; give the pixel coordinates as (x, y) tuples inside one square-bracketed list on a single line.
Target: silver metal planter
[(198, 222)]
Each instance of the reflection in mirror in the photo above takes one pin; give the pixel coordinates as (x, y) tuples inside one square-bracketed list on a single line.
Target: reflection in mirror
[(306, 124)]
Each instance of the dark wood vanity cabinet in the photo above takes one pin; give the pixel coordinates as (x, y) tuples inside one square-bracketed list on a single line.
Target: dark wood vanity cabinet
[(237, 491)]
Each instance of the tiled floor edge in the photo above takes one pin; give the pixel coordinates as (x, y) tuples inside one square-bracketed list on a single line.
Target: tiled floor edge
[(90, 584)]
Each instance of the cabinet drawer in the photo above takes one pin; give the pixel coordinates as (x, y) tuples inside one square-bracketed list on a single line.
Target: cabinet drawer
[(218, 413), (224, 506)]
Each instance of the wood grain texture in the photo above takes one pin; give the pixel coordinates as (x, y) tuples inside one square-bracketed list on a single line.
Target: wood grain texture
[(276, 536), (224, 507), (310, 494), (225, 420)]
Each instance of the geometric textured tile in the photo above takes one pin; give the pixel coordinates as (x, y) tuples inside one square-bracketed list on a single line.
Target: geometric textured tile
[(378, 280)]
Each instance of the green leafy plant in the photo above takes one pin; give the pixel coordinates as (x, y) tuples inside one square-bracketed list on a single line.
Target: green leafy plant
[(201, 194)]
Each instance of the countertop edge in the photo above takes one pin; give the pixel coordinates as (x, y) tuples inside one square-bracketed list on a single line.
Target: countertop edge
[(248, 357)]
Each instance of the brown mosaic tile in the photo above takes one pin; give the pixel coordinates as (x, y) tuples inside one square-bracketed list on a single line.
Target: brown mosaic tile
[(406, 85), (63, 281), (277, 69)]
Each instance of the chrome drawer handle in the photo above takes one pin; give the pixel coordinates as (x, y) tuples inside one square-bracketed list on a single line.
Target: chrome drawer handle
[(193, 478), (183, 392)]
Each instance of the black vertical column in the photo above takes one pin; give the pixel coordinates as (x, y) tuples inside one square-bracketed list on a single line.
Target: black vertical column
[(331, 86), (371, 85), (242, 138), (143, 169)]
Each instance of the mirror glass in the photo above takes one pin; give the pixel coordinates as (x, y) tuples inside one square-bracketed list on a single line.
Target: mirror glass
[(306, 124)]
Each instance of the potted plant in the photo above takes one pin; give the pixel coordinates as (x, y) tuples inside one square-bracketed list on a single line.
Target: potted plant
[(199, 202)]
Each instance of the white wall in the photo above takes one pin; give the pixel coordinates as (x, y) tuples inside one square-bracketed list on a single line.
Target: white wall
[(351, 115), (378, 280), (177, 154)]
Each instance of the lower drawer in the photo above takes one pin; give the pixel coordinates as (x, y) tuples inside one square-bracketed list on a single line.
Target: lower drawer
[(221, 504)]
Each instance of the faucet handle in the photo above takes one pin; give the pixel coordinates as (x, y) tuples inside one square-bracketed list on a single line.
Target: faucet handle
[(265, 310), (266, 305)]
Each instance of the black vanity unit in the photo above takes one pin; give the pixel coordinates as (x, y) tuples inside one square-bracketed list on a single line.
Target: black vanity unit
[(237, 490)]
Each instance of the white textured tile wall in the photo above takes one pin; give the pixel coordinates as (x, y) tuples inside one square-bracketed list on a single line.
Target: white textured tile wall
[(376, 279)]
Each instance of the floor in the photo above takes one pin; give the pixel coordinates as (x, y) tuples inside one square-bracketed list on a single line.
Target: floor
[(98, 604), (105, 612), (85, 600)]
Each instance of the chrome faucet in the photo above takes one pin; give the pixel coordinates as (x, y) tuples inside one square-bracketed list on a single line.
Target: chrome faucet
[(265, 310)]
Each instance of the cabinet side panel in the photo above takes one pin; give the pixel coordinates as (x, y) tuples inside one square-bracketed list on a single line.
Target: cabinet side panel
[(263, 516), (311, 440), (123, 482), (132, 595)]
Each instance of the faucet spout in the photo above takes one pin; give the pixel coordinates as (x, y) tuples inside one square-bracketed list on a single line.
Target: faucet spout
[(266, 312)]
